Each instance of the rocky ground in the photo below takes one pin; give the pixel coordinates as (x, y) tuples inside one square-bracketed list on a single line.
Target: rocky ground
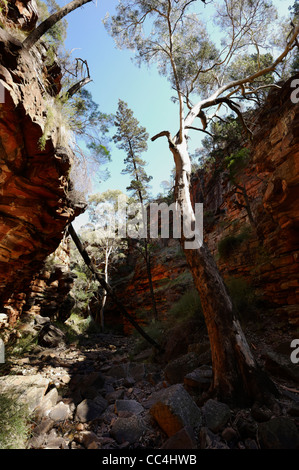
[(96, 395)]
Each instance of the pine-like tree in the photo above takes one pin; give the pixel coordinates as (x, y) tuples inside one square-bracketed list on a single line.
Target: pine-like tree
[(132, 138)]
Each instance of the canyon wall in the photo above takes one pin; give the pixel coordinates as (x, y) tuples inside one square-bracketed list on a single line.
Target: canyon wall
[(264, 255), (37, 198), (260, 261)]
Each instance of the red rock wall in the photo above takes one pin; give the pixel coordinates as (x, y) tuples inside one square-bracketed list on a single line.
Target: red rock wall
[(36, 201), (270, 264)]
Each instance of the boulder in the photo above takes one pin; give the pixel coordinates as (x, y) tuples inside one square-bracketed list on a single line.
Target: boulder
[(216, 415), (183, 439), (176, 370), (128, 429), (278, 433), (281, 366), (130, 406), (28, 389), (90, 410), (60, 412), (173, 409), (50, 336), (199, 379)]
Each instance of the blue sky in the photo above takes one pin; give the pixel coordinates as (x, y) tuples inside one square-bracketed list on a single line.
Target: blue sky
[(116, 77)]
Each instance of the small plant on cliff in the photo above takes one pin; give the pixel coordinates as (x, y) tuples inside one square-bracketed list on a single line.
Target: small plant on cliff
[(230, 243), (243, 296)]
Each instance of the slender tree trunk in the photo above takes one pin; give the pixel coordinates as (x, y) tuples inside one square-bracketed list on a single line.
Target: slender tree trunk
[(146, 243), (236, 375), (104, 298), (108, 288), (37, 33), (150, 279)]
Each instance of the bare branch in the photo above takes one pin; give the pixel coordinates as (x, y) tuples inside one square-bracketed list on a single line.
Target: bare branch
[(77, 87), (198, 129), (163, 134), (50, 21)]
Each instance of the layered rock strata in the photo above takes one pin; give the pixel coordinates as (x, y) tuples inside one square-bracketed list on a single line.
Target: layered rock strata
[(267, 255), (36, 196)]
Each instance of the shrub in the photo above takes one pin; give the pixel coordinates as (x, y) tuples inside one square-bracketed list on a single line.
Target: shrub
[(14, 419), (229, 244), (244, 299), (155, 329), (187, 307)]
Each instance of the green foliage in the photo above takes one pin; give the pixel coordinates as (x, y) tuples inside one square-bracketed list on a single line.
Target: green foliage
[(132, 138), (226, 138), (230, 243), (83, 289), (248, 64), (56, 35), (15, 422), (174, 36), (77, 326), (155, 329), (237, 161), (188, 307), (244, 299)]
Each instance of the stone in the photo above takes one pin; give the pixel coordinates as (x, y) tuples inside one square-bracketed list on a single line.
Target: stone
[(45, 425), (119, 371), (209, 440), (50, 336), (128, 429), (278, 433), (131, 371), (260, 413), (28, 389), (183, 439), (294, 410), (89, 439), (90, 410), (216, 415), (199, 379), (176, 370), (60, 412), (173, 409), (229, 434), (247, 427), (137, 371), (54, 441), (40, 321), (280, 365), (3, 318), (131, 406), (250, 444), (115, 395)]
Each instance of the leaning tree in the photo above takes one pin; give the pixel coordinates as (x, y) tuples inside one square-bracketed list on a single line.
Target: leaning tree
[(174, 35)]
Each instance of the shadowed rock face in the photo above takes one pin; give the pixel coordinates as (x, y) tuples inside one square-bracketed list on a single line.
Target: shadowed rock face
[(269, 264), (36, 197), (22, 14)]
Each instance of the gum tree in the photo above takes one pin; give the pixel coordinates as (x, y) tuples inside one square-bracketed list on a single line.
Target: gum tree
[(173, 34), (102, 236)]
